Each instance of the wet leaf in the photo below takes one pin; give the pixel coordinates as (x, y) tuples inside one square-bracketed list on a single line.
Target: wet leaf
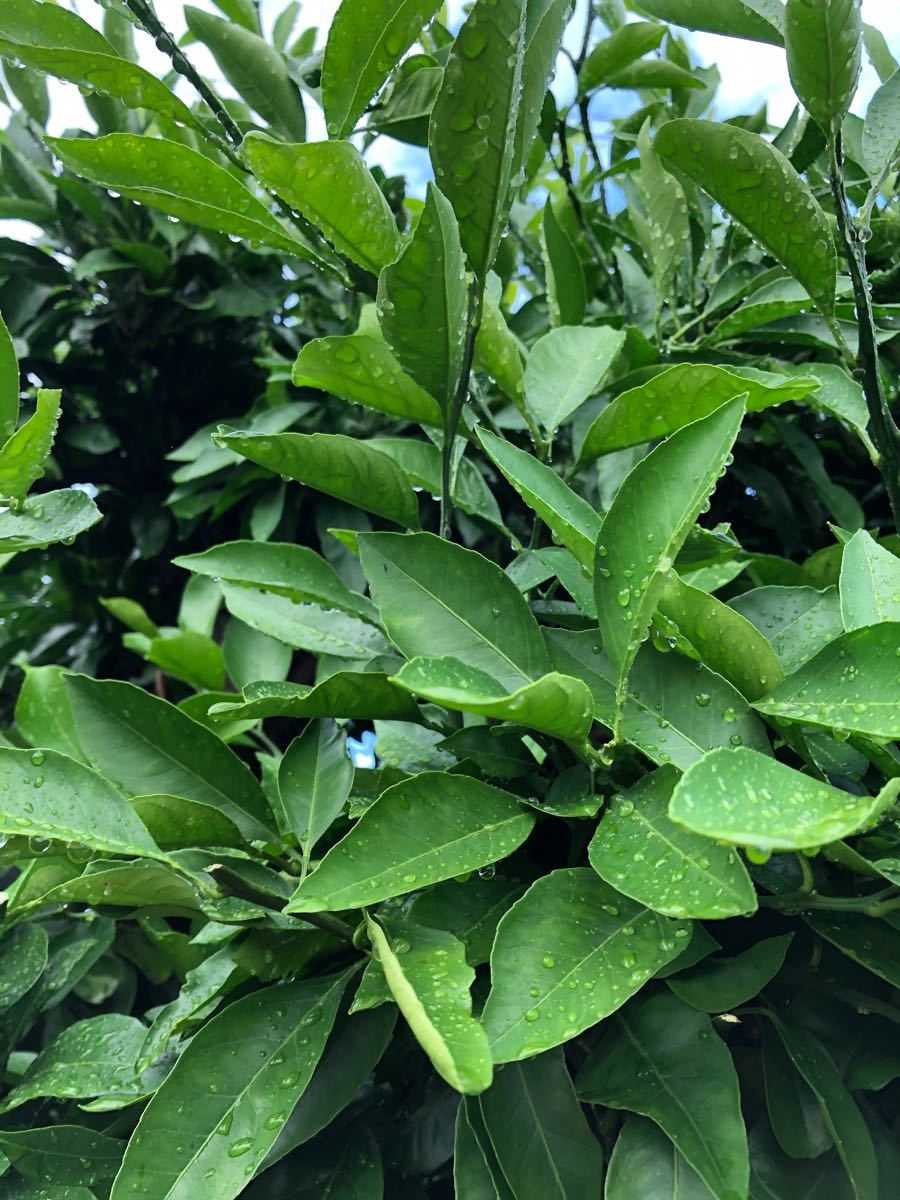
[(645, 1162), (314, 780), (566, 297), (718, 984), (870, 583), (23, 454), (881, 131), (23, 956), (564, 368), (63, 1155), (796, 621), (823, 40), (360, 694), (620, 49)]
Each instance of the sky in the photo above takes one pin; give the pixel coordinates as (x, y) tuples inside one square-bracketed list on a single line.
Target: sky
[(751, 73)]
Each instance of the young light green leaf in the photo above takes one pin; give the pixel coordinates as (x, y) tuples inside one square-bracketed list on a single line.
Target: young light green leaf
[(668, 227), (718, 984), (248, 655), (679, 395), (758, 20), (566, 297), (565, 367), (330, 184), (654, 73), (472, 134), (314, 780), (277, 1035), (796, 621), (146, 746), (437, 598), (423, 302), (69, 1156), (569, 928), (23, 454), (256, 70), (9, 384), (881, 131), (870, 583), (428, 976), (364, 695), (748, 799), (362, 369), (568, 516), (823, 40), (178, 181), (554, 704), (81, 807), (645, 1162), (725, 641), (539, 1132), (337, 465), (644, 854), (190, 656), (850, 685), (364, 43), (645, 527), (418, 832), (757, 185), (664, 1060), (23, 956), (622, 48)]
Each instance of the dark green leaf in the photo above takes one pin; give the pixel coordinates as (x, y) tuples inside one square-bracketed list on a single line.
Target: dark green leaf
[(360, 694), (718, 984), (314, 780), (823, 40), (646, 1163), (63, 1155), (566, 297), (23, 956), (9, 384)]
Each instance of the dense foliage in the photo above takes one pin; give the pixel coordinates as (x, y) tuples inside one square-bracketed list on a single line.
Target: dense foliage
[(494, 792)]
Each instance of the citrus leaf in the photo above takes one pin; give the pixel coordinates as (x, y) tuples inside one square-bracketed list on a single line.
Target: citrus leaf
[(823, 40), (63, 1155), (566, 297), (420, 462), (620, 49), (23, 956), (796, 621), (9, 384), (23, 454), (314, 780), (47, 518), (313, 627), (565, 367), (881, 131), (545, 23), (758, 20), (645, 1162), (870, 583), (718, 984), (363, 695), (666, 210)]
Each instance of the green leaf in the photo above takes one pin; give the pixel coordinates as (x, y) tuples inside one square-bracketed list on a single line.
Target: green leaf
[(663, 1060), (418, 832), (472, 1177), (622, 48), (472, 134), (758, 20), (178, 181), (282, 569), (23, 454), (842, 1116), (23, 956), (429, 978), (310, 627), (337, 465), (136, 885), (554, 704), (9, 384), (437, 598), (81, 806), (881, 131), (362, 695), (420, 462), (314, 780), (676, 709), (498, 352), (823, 40), (190, 656), (873, 943), (644, 854), (565, 367), (748, 799), (539, 1132), (256, 70), (793, 1109), (43, 715), (775, 1174), (719, 984), (330, 184), (175, 823), (645, 1162), (754, 182), (277, 1036), (568, 516), (646, 526), (423, 302), (470, 911), (726, 641), (668, 227), (797, 621), (362, 370), (870, 583), (47, 518), (569, 928), (545, 23), (850, 685), (248, 654), (566, 296), (203, 987), (147, 746), (364, 43), (63, 1155), (679, 395)]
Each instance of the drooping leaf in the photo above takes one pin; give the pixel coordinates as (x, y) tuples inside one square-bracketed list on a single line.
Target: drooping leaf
[(23, 454), (278, 1035), (436, 598), (749, 799), (646, 1163), (314, 780), (718, 984), (663, 1060), (554, 703), (753, 181), (620, 49), (646, 526), (428, 976), (418, 832), (641, 852), (47, 518), (823, 40), (330, 184), (849, 685), (565, 367), (757, 20), (870, 583), (360, 694), (538, 1130), (335, 464), (569, 927), (9, 384), (473, 124)]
